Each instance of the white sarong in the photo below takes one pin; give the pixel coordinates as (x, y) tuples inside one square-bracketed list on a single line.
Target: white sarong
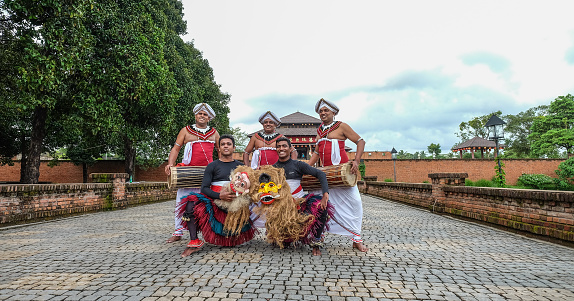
[(348, 217)]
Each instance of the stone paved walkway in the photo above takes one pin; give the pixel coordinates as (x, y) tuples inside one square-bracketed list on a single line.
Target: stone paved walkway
[(414, 254)]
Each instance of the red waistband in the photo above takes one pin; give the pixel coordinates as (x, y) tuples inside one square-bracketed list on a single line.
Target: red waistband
[(216, 188), (297, 190)]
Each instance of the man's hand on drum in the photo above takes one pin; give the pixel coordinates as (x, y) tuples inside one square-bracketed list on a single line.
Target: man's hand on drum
[(355, 168), (167, 170), (226, 195)]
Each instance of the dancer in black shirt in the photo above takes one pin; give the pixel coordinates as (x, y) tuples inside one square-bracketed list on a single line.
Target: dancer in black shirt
[(294, 171)]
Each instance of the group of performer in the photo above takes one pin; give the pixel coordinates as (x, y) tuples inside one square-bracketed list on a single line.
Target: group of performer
[(219, 209)]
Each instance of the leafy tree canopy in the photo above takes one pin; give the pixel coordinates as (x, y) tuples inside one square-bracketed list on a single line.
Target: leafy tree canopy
[(554, 131), (475, 127), (434, 150)]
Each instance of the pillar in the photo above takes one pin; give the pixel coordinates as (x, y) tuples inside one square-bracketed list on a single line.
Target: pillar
[(439, 180), (118, 180)]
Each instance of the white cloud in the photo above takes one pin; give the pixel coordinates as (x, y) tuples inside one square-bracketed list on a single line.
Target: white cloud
[(404, 73)]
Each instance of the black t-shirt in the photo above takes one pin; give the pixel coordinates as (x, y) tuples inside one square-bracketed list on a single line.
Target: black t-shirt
[(214, 172), (295, 169)]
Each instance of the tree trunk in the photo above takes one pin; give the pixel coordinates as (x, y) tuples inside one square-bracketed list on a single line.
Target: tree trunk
[(24, 152), (85, 172), (130, 154), (32, 168)]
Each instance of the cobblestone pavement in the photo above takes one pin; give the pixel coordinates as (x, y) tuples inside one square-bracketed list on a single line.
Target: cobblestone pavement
[(414, 254)]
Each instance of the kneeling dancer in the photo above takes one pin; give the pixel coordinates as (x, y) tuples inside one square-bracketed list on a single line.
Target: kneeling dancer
[(294, 171), (202, 212)]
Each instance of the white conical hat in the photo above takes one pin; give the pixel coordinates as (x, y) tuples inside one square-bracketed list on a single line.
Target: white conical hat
[(271, 116), (329, 105), (204, 107)]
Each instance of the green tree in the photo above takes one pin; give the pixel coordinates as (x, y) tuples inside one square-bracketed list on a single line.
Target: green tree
[(517, 130), (129, 89), (11, 121), (422, 155), (475, 127), (434, 150), (241, 139), (404, 155), (51, 38), (82, 74), (554, 131)]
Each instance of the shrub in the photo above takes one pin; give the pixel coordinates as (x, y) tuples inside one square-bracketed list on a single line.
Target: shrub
[(537, 181), (500, 178), (388, 180), (484, 183), (362, 169), (563, 185), (565, 170), (479, 183)]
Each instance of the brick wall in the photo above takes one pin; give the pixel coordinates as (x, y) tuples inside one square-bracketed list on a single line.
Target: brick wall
[(409, 171), (22, 203), (416, 171), (31, 202), (546, 213)]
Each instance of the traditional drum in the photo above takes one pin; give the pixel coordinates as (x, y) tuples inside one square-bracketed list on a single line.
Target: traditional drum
[(337, 176), (185, 177)]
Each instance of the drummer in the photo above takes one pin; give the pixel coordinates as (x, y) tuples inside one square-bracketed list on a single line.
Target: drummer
[(199, 140), (294, 171), (330, 149), (263, 145)]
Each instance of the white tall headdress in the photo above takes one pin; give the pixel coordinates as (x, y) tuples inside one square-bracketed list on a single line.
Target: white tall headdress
[(204, 107), (329, 105), (271, 116)]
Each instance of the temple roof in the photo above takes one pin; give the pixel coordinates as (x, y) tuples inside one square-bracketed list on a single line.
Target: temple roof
[(298, 118), (476, 143)]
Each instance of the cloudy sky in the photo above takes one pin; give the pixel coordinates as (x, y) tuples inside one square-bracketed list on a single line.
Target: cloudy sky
[(405, 74)]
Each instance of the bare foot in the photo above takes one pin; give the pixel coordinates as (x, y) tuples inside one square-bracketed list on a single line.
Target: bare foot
[(360, 246), (173, 239), (189, 251), (316, 251)]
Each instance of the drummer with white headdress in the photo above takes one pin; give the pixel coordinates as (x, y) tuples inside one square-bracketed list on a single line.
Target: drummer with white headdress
[(198, 141), (264, 143), (330, 149), (264, 147)]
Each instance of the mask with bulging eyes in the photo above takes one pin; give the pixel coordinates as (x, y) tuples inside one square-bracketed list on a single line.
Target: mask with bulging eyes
[(240, 183), (268, 190)]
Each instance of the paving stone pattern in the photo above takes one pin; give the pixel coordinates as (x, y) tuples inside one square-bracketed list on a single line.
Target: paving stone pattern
[(414, 254)]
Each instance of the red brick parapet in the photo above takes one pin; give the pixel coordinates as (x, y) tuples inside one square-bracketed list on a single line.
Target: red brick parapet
[(118, 181), (448, 178), (439, 181), (543, 212), (107, 177), (21, 203)]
